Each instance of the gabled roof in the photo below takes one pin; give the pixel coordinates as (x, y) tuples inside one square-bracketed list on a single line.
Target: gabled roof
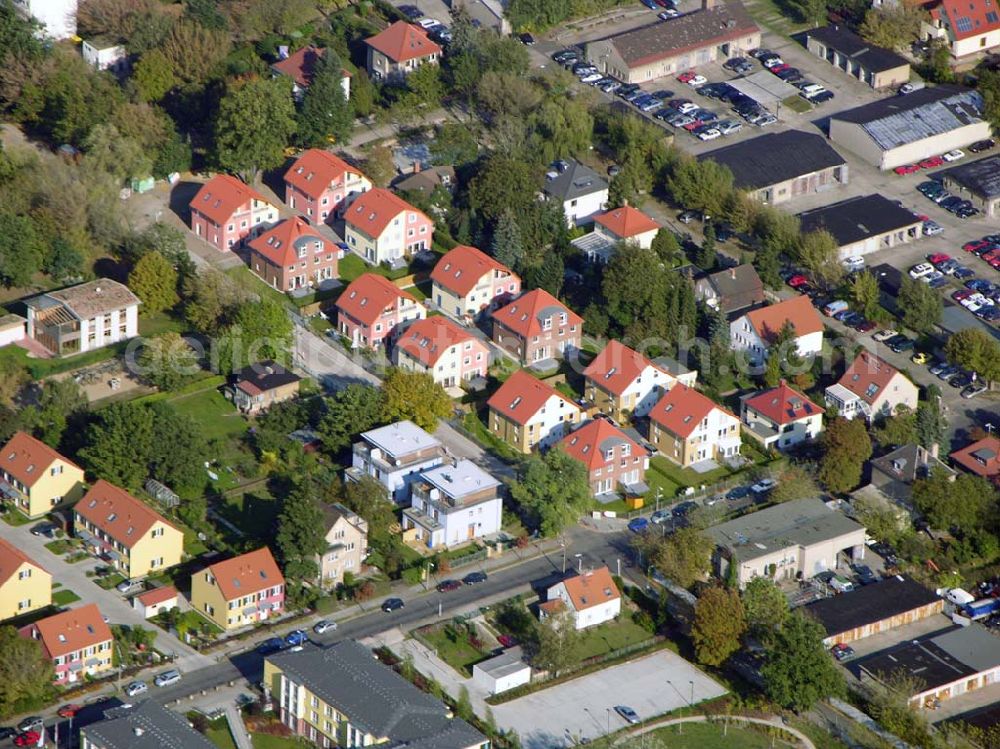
[(775, 157), (219, 198), (462, 267), (737, 287), (616, 367), (315, 170), (868, 376), (782, 405), (858, 218), (72, 630), (157, 595), (426, 340), (301, 64), (591, 589), (403, 41), (148, 725), (871, 58), (576, 181), (116, 512), (968, 18), (525, 314), (263, 376), (981, 457), (246, 574), (373, 211), (368, 295), (11, 559), (626, 222), (589, 443), (28, 459), (521, 397), (682, 409), (279, 244), (798, 310)]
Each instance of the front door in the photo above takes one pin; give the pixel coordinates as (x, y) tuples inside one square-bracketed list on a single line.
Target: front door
[(472, 531)]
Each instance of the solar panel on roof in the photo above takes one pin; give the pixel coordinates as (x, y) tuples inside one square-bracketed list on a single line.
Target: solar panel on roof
[(992, 17), (964, 24)]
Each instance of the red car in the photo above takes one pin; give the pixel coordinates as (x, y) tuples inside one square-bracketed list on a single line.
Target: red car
[(962, 294), (28, 738), (933, 161), (68, 711), (797, 281), (780, 68), (975, 244), (938, 257), (907, 169), (994, 262), (693, 125), (685, 77), (448, 585)]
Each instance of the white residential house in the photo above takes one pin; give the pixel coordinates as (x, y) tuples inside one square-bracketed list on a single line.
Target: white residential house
[(104, 54), (581, 191), (85, 317), (588, 599), (754, 332), (452, 505), (871, 388), (780, 417), (395, 456)]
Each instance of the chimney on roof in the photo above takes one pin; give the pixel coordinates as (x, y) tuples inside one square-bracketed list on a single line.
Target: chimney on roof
[(416, 167), (782, 382), (732, 273)]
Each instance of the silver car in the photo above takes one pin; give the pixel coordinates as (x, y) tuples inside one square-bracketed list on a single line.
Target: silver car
[(324, 625), (135, 688)]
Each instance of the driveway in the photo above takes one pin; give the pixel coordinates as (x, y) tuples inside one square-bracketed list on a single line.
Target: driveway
[(73, 577)]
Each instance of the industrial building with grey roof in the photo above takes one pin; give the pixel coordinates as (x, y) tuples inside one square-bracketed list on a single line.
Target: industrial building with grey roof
[(979, 181)]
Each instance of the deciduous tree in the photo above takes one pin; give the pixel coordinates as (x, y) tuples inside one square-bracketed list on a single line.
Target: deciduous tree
[(684, 556), (414, 396), (706, 253), (921, 305), (700, 185), (194, 51), (795, 482), (798, 671), (969, 503), (254, 124), (21, 250), (553, 490), (167, 361), (154, 281), (819, 253), (846, 446), (719, 623), (556, 649), (25, 672), (864, 293), (503, 185), (355, 409), (898, 429), (975, 350), (118, 443), (765, 606), (300, 535), (892, 26), (380, 167)]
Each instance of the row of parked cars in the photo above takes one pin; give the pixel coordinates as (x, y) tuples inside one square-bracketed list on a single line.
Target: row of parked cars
[(936, 193), (808, 90), (434, 28), (932, 162)]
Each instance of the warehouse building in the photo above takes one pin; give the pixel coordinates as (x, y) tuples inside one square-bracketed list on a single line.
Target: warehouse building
[(845, 50), (905, 129), (778, 167), (873, 609), (716, 31), (978, 181), (864, 224)]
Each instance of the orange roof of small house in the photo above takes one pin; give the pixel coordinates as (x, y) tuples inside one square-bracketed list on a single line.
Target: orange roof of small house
[(117, 513), (591, 589), (368, 295), (626, 222), (219, 198), (426, 340), (461, 268), (158, 595), (616, 367), (28, 459), (277, 244), (247, 574), (782, 405), (315, 170), (798, 310), (868, 376), (524, 315), (373, 211), (521, 397), (72, 630), (301, 64), (682, 409), (11, 559), (589, 444), (403, 41), (982, 457)]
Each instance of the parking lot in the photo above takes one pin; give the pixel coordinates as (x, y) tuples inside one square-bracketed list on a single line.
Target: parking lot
[(584, 708)]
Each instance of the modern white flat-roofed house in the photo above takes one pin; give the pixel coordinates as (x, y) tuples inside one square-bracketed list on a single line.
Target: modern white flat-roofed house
[(781, 417), (452, 505), (589, 599), (871, 388), (85, 317), (901, 130), (755, 331), (395, 456)]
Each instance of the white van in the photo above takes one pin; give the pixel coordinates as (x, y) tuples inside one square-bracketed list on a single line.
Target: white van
[(834, 307)]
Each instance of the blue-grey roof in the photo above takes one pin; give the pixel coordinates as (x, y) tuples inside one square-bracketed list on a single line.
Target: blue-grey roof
[(149, 725), (576, 181)]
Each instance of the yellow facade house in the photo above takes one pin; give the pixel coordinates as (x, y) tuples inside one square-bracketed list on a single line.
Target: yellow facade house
[(36, 478), (126, 531), (24, 585), (241, 591)]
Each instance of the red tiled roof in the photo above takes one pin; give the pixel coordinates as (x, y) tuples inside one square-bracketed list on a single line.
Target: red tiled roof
[(426, 340), (626, 222), (117, 513), (368, 295), (158, 595), (373, 211), (315, 170), (868, 376), (247, 574), (798, 310), (524, 315), (521, 396), (782, 405), (462, 267), (403, 41), (219, 198), (968, 18), (589, 443), (11, 559), (278, 244), (981, 457), (300, 65), (591, 589), (616, 367), (27, 459), (72, 630), (682, 409)]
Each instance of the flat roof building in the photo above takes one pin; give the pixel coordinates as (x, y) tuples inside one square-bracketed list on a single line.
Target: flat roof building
[(778, 167), (901, 130), (864, 224), (502, 672), (979, 181), (876, 66), (394, 455)]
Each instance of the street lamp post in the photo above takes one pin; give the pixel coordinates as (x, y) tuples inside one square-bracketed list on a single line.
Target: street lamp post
[(562, 545), (579, 563)]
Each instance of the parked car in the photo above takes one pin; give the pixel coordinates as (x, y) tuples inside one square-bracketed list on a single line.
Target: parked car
[(323, 626), (7, 732), (474, 578), (526, 38), (591, 78), (429, 23), (953, 155), (907, 169), (48, 530), (932, 162), (28, 738), (971, 391), (961, 380), (296, 637), (686, 217), (707, 133), (921, 270), (68, 711), (128, 587), (448, 585), (659, 517), (392, 604), (684, 509), (171, 677), (270, 645), (31, 723), (729, 127), (667, 14), (885, 335), (932, 228), (763, 486), (900, 343), (638, 525), (982, 145), (627, 713), (136, 688), (920, 357), (909, 88), (841, 651)]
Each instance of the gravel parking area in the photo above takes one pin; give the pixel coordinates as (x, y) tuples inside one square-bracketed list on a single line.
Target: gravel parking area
[(584, 708)]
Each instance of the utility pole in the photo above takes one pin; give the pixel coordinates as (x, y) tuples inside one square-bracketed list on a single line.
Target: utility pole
[(562, 544), (579, 563), (619, 561)]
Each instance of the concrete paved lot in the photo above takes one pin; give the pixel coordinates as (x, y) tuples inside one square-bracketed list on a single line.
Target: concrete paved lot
[(583, 708)]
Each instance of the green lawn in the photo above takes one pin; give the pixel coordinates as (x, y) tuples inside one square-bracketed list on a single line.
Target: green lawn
[(255, 513), (474, 425), (686, 476), (15, 517), (64, 597), (457, 653), (353, 266), (658, 480), (109, 581), (267, 741), (59, 547), (159, 322), (611, 636), (215, 415), (797, 104), (707, 736), (218, 733)]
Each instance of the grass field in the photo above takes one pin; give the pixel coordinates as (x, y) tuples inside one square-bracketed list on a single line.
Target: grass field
[(60, 546), (705, 736), (353, 266), (459, 654), (267, 741), (611, 636), (15, 518), (64, 597), (215, 415), (255, 513)]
